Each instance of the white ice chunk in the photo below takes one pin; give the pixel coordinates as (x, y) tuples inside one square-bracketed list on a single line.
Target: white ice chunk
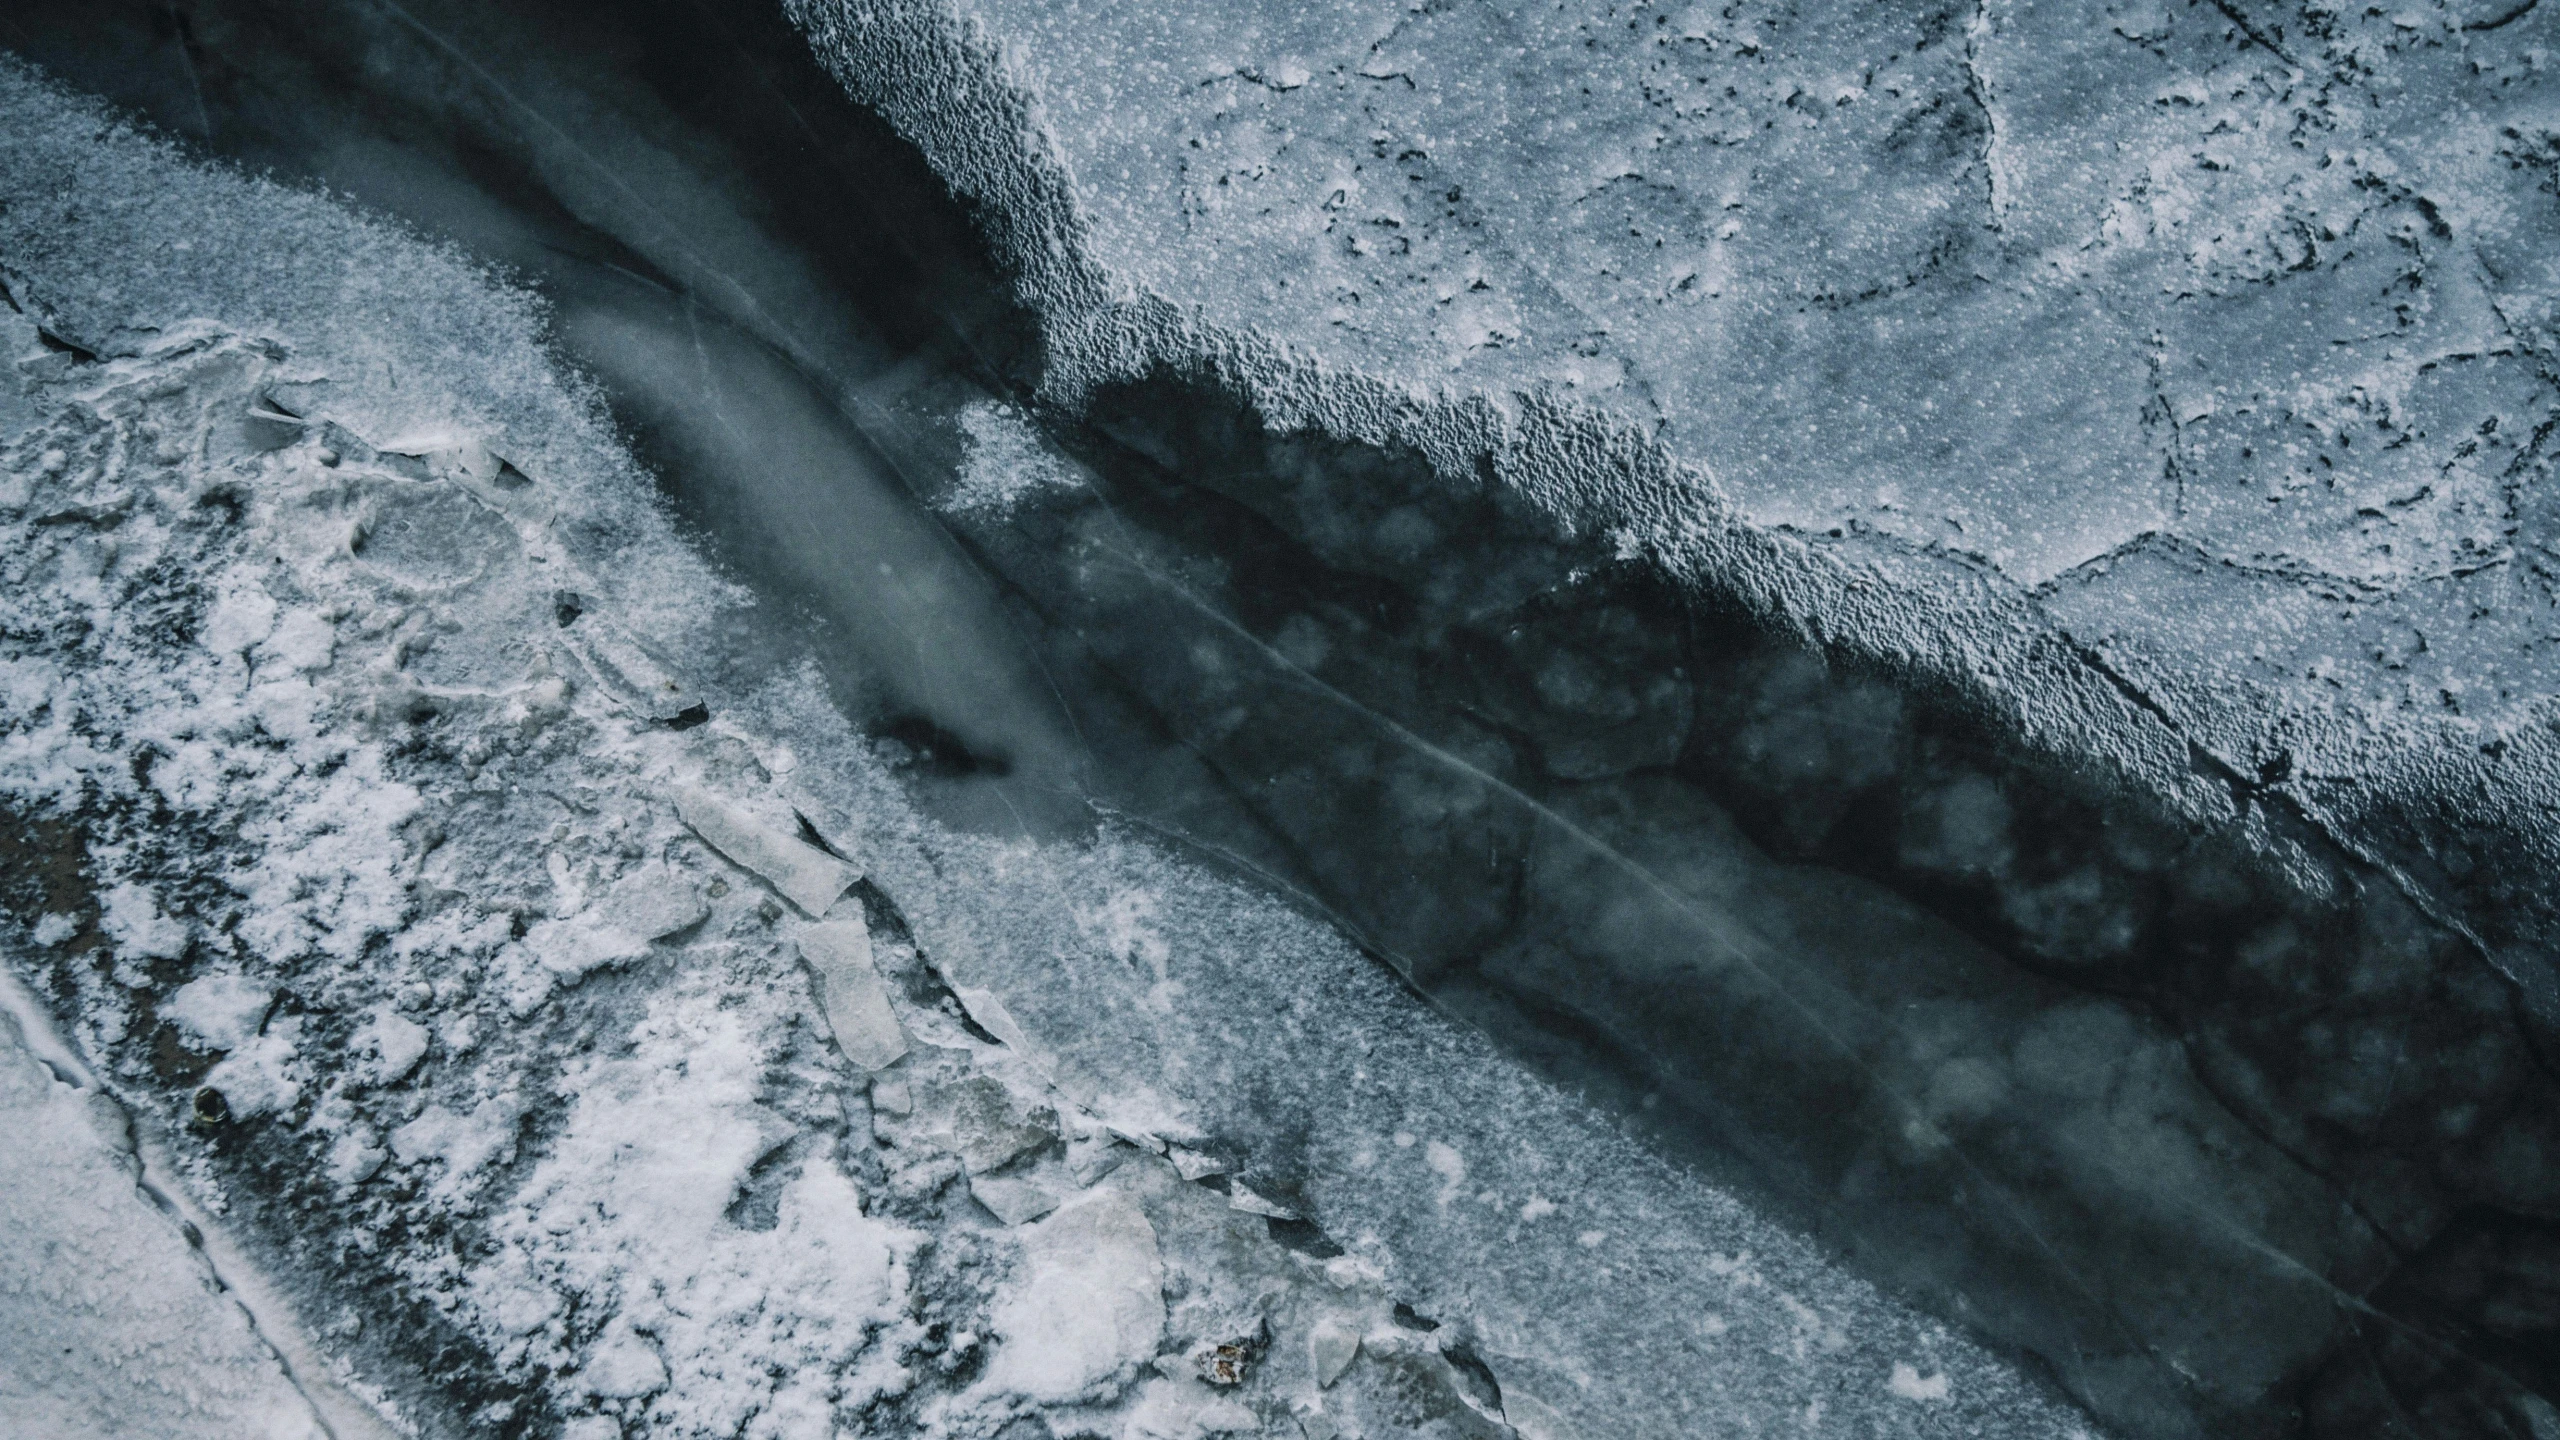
[(1331, 1346), (624, 1366), (260, 1075), (982, 1122), (989, 1012), (240, 618), (464, 1142), (1088, 1304), (850, 990), (394, 1044), (221, 1012), (585, 942), (892, 1097), (355, 1156), (1243, 1197), (131, 917), (304, 640), (655, 901), (1193, 1164), (806, 875), (1006, 462), (1170, 1409), (1534, 1418), (1015, 1200), (1093, 1152)]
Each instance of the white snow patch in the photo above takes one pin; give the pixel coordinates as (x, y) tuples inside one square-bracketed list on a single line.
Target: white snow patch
[(262, 1074), (1005, 461), (392, 1045), (1450, 1166), (221, 1011), (628, 1212), (132, 919), (464, 1141)]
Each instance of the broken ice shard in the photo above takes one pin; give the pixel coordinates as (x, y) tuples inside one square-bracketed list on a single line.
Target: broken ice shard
[(806, 875), (849, 988)]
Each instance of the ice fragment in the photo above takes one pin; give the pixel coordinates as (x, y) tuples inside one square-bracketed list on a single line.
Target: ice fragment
[(1331, 1347), (1013, 1199), (807, 876), (983, 1124), (851, 992), (655, 901)]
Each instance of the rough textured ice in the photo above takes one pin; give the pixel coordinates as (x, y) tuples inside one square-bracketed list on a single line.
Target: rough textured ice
[(2174, 378)]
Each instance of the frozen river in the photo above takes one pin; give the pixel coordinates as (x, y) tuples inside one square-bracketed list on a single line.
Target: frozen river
[(1540, 862)]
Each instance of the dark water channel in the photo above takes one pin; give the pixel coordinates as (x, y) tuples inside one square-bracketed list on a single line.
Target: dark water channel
[(2218, 1154)]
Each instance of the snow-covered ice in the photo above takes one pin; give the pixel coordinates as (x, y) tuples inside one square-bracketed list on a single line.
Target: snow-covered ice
[(112, 1322)]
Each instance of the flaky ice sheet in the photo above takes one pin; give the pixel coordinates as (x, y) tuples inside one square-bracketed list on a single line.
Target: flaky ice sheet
[(585, 1049)]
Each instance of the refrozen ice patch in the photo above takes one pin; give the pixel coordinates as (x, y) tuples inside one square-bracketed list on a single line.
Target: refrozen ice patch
[(1088, 1307), (2158, 429), (1005, 460)]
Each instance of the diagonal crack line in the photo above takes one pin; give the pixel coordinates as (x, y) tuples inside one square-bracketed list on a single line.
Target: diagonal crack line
[(2231, 12), (1977, 32)]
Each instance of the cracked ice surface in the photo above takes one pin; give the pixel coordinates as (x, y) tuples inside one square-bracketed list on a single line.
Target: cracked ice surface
[(2169, 374), (484, 970)]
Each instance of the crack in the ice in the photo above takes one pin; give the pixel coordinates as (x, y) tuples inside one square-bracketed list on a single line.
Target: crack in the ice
[(2502, 21), (35, 1027), (612, 176), (1977, 33), (2248, 28)]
